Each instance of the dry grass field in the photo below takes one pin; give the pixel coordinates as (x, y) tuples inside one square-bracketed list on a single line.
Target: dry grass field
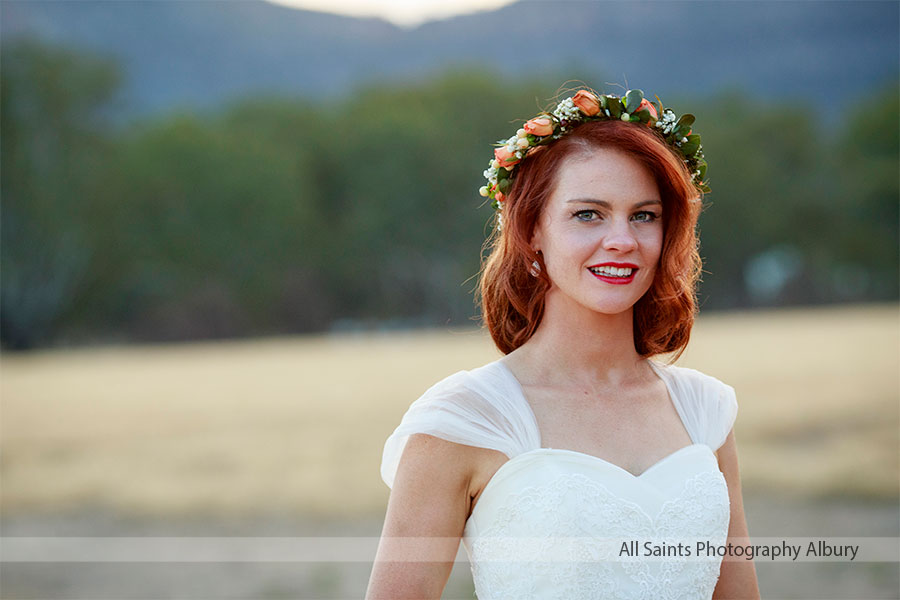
[(283, 437), (298, 424)]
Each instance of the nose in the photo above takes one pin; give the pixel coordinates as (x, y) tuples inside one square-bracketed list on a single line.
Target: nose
[(619, 236)]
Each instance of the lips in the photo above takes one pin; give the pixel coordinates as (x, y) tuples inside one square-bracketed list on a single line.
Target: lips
[(614, 264), (615, 273)]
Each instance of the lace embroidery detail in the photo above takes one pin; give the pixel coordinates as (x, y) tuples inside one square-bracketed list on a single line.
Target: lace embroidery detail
[(565, 517)]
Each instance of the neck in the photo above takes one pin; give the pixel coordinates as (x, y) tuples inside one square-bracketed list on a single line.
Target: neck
[(574, 345)]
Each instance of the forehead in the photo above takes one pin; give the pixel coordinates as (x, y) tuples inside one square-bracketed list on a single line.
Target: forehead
[(604, 174)]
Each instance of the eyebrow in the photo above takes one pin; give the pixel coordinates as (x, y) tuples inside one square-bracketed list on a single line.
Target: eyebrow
[(606, 204)]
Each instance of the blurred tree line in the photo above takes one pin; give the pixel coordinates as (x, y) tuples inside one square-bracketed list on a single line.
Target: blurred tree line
[(276, 215)]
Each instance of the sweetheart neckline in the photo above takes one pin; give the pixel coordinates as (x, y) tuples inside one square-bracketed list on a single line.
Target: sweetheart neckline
[(521, 396), (591, 457), (632, 478)]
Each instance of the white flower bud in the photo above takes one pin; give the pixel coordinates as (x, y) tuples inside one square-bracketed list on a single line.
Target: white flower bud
[(625, 116), (495, 163), (521, 133), (483, 191), (522, 143)]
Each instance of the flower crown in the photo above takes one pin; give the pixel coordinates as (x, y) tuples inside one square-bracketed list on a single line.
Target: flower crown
[(583, 107)]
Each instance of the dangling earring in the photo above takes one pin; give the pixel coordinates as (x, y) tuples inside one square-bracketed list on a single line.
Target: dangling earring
[(535, 269)]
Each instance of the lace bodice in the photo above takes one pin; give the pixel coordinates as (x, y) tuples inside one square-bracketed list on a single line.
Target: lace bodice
[(551, 523)]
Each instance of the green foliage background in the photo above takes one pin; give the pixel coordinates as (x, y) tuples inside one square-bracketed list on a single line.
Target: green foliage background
[(276, 215)]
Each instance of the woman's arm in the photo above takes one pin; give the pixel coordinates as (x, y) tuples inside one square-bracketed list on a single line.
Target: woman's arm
[(737, 578), (428, 506)]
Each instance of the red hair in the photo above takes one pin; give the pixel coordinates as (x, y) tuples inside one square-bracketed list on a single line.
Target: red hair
[(512, 300)]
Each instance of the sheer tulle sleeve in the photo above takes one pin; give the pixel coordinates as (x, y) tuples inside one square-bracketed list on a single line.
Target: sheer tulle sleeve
[(465, 409), (707, 405), (725, 415)]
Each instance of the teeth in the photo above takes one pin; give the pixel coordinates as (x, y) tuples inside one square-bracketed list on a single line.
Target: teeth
[(612, 271)]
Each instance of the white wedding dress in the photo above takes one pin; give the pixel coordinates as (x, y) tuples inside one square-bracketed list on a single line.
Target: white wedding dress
[(551, 523)]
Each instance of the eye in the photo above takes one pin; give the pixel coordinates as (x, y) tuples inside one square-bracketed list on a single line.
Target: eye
[(585, 215), (646, 216)]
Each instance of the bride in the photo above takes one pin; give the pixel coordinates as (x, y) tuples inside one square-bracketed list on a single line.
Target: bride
[(576, 466)]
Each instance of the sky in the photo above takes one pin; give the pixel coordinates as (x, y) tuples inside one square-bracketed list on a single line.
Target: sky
[(405, 13)]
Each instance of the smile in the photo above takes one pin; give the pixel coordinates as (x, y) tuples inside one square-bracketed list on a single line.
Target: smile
[(613, 275)]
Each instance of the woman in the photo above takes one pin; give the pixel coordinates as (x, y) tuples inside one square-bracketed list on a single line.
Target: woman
[(575, 466)]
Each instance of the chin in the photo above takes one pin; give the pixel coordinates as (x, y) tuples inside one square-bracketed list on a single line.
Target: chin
[(614, 310), (610, 308)]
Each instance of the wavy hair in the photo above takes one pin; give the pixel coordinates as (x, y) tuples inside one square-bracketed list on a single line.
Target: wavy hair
[(512, 300)]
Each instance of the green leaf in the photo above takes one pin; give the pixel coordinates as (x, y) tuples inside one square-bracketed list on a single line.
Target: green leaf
[(502, 173), (603, 100), (686, 119), (683, 126), (643, 115), (633, 100), (689, 148), (614, 105), (504, 185), (702, 168)]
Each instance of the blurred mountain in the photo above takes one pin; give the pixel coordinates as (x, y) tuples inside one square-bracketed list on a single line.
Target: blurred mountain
[(198, 53)]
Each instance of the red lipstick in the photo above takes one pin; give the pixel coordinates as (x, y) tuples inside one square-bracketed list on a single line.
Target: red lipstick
[(615, 264), (613, 279)]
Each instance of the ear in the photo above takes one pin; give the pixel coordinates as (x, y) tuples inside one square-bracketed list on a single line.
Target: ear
[(536, 241)]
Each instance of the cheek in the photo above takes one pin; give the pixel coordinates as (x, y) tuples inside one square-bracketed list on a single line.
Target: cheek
[(653, 242), (569, 250)]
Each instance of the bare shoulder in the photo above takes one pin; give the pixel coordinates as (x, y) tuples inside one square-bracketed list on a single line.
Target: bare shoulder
[(429, 505), (727, 456), (439, 468)]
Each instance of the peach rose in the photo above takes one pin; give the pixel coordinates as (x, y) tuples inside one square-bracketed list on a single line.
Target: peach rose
[(499, 197), (649, 106), (539, 126), (586, 103), (505, 157)]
